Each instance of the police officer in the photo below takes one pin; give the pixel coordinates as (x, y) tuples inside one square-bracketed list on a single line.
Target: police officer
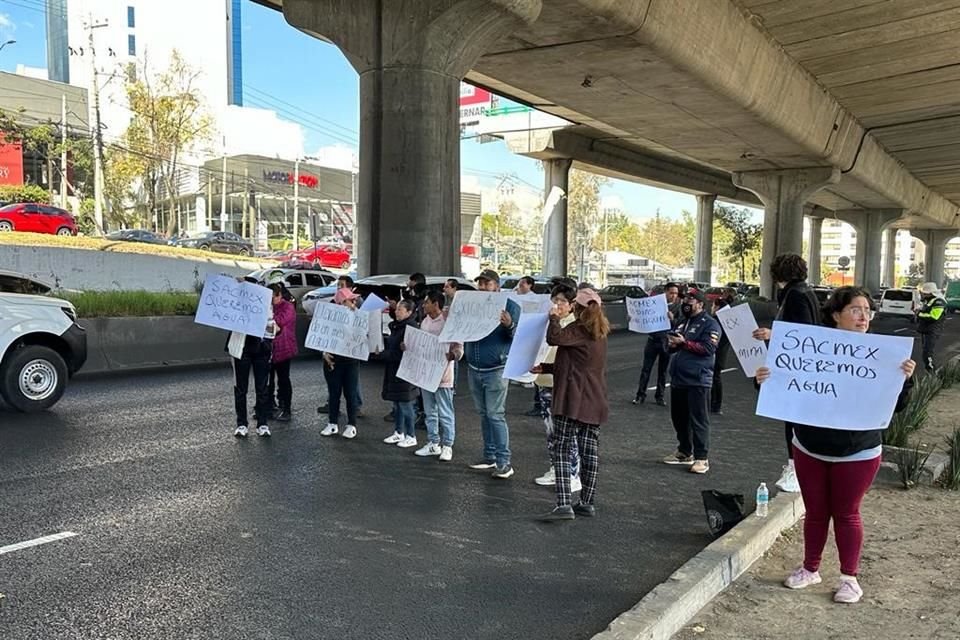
[(657, 350), (930, 319), (691, 377)]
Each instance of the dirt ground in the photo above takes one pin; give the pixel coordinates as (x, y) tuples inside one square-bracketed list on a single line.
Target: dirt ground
[(910, 571)]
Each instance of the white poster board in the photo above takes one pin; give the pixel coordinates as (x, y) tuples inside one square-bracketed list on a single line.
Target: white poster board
[(529, 342), (473, 316), (374, 303), (831, 378), (338, 330), (243, 307), (424, 359), (739, 324), (374, 332), (532, 302), (648, 315)]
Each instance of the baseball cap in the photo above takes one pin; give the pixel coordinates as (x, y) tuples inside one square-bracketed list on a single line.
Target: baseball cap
[(929, 288), (586, 295), (488, 274), (696, 294), (344, 294)]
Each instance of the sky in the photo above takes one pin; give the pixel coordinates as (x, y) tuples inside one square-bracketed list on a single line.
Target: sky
[(311, 82)]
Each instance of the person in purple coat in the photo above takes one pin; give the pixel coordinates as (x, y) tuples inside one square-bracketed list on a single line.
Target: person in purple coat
[(284, 349)]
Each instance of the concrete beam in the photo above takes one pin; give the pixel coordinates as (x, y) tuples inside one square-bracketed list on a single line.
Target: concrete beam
[(556, 188), (813, 250), (870, 225), (703, 246), (935, 246)]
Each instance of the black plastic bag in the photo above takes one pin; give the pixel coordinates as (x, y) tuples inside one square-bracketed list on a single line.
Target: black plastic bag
[(724, 510)]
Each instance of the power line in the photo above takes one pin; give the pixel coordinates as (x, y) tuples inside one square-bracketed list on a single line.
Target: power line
[(268, 96)]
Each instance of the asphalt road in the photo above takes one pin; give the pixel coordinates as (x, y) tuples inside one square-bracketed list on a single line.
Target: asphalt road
[(185, 532)]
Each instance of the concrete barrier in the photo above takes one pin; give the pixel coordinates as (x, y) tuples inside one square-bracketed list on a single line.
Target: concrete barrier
[(90, 270)]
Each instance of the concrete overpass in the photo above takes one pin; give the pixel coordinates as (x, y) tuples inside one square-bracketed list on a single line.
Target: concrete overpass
[(850, 106)]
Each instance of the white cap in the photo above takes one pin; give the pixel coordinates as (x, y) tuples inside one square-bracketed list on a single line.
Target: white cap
[(929, 288)]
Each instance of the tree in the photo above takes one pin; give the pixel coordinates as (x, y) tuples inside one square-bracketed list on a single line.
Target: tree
[(583, 211), (169, 119), (745, 235)]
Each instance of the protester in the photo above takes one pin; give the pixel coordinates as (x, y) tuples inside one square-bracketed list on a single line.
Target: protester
[(450, 288), (562, 297), (343, 378), (400, 392), (835, 467), (525, 286), (346, 282), (485, 362), (254, 355), (797, 303), (579, 400), (658, 350), (691, 377), (284, 349), (930, 319), (723, 349), (415, 292), (438, 405)]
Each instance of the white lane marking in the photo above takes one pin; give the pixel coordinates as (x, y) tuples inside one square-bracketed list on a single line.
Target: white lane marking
[(654, 388), (36, 542), (903, 329)]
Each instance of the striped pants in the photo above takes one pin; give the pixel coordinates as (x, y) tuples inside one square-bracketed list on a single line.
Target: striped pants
[(570, 434)]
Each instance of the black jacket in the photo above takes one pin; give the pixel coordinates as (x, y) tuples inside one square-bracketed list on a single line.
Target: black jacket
[(395, 389), (692, 363), (797, 303)]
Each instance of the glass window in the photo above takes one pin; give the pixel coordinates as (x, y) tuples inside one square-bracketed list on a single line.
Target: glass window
[(294, 280), (315, 280), (131, 19), (132, 44)]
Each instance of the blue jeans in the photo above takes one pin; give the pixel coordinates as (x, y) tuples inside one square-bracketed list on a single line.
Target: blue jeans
[(403, 418), (438, 409), (489, 391)]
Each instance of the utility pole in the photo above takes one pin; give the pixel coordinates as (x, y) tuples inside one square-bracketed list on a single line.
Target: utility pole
[(246, 200), (223, 192), (97, 132), (296, 204), (63, 151)]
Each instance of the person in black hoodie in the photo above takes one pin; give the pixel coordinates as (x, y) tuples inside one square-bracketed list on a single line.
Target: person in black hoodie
[(796, 303), (835, 467), (400, 392)]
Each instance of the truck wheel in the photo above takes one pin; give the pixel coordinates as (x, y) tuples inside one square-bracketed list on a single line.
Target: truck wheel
[(33, 378)]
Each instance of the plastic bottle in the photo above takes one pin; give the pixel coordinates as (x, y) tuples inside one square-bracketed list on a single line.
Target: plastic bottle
[(763, 498)]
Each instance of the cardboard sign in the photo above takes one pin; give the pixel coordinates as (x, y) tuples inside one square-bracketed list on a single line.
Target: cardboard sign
[(243, 307), (424, 360), (374, 303), (832, 378), (473, 316), (374, 332), (532, 302), (338, 330), (529, 342), (648, 315), (739, 324)]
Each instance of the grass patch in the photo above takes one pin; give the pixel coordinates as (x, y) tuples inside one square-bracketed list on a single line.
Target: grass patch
[(121, 304), (914, 414), (949, 373), (951, 477)]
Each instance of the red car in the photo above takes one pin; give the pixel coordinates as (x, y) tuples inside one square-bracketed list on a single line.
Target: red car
[(37, 218), (325, 255)]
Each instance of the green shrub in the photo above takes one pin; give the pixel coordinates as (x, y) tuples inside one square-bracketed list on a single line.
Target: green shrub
[(951, 477), (24, 193), (911, 463), (949, 373), (914, 415), (119, 304)]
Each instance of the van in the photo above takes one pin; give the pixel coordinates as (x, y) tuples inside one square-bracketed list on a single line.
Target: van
[(897, 302)]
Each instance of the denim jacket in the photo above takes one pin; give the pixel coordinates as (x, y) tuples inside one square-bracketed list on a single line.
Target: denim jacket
[(491, 352)]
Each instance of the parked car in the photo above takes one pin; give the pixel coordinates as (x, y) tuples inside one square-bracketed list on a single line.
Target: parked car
[(33, 217), (136, 235), (617, 292), (952, 295), (715, 293), (540, 285), (219, 241), (41, 344), (283, 242), (753, 293), (300, 282), (898, 302), (325, 255), (385, 286)]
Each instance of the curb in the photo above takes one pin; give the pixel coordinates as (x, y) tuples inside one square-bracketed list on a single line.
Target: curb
[(672, 604)]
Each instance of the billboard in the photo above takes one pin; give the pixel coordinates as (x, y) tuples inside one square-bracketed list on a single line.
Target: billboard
[(474, 104), (11, 163)]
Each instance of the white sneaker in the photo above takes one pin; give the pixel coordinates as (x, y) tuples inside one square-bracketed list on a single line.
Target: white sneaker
[(801, 579), (407, 442), (429, 449), (788, 480), (241, 431), (350, 432), (575, 484), (849, 591), (446, 454), (331, 430), (393, 438), (548, 479), (263, 431)]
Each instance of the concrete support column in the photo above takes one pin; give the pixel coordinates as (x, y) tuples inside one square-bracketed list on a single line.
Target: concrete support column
[(783, 192), (703, 251), (411, 57), (813, 246), (889, 278), (870, 225), (934, 256), (556, 187)]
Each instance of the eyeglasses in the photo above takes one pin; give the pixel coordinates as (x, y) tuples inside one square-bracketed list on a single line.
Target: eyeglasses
[(860, 312)]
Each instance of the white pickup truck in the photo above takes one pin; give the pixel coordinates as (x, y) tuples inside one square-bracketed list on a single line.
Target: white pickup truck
[(41, 344)]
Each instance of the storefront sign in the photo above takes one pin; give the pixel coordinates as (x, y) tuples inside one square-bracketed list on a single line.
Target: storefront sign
[(286, 177)]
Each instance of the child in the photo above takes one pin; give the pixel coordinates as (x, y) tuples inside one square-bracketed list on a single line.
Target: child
[(438, 406), (400, 392)]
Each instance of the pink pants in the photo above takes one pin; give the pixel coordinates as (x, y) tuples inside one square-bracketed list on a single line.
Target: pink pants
[(833, 490)]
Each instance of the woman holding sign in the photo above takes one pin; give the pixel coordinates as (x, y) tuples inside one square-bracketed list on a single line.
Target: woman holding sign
[(579, 399), (343, 378), (836, 467), (400, 392)]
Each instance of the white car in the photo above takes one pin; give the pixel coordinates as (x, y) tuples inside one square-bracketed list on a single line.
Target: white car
[(897, 302), (300, 282), (41, 344)]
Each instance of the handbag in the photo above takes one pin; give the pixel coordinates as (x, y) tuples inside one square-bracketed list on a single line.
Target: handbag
[(724, 510)]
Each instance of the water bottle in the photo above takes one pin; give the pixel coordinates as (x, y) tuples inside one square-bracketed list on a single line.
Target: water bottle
[(763, 498)]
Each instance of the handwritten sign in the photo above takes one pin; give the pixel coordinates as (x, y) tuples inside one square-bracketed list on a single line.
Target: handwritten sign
[(473, 316), (739, 324), (243, 307), (831, 378), (532, 302), (424, 360), (374, 303), (648, 315), (340, 331), (529, 344)]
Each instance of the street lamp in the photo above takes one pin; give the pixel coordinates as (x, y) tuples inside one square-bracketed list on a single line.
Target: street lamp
[(6, 43)]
